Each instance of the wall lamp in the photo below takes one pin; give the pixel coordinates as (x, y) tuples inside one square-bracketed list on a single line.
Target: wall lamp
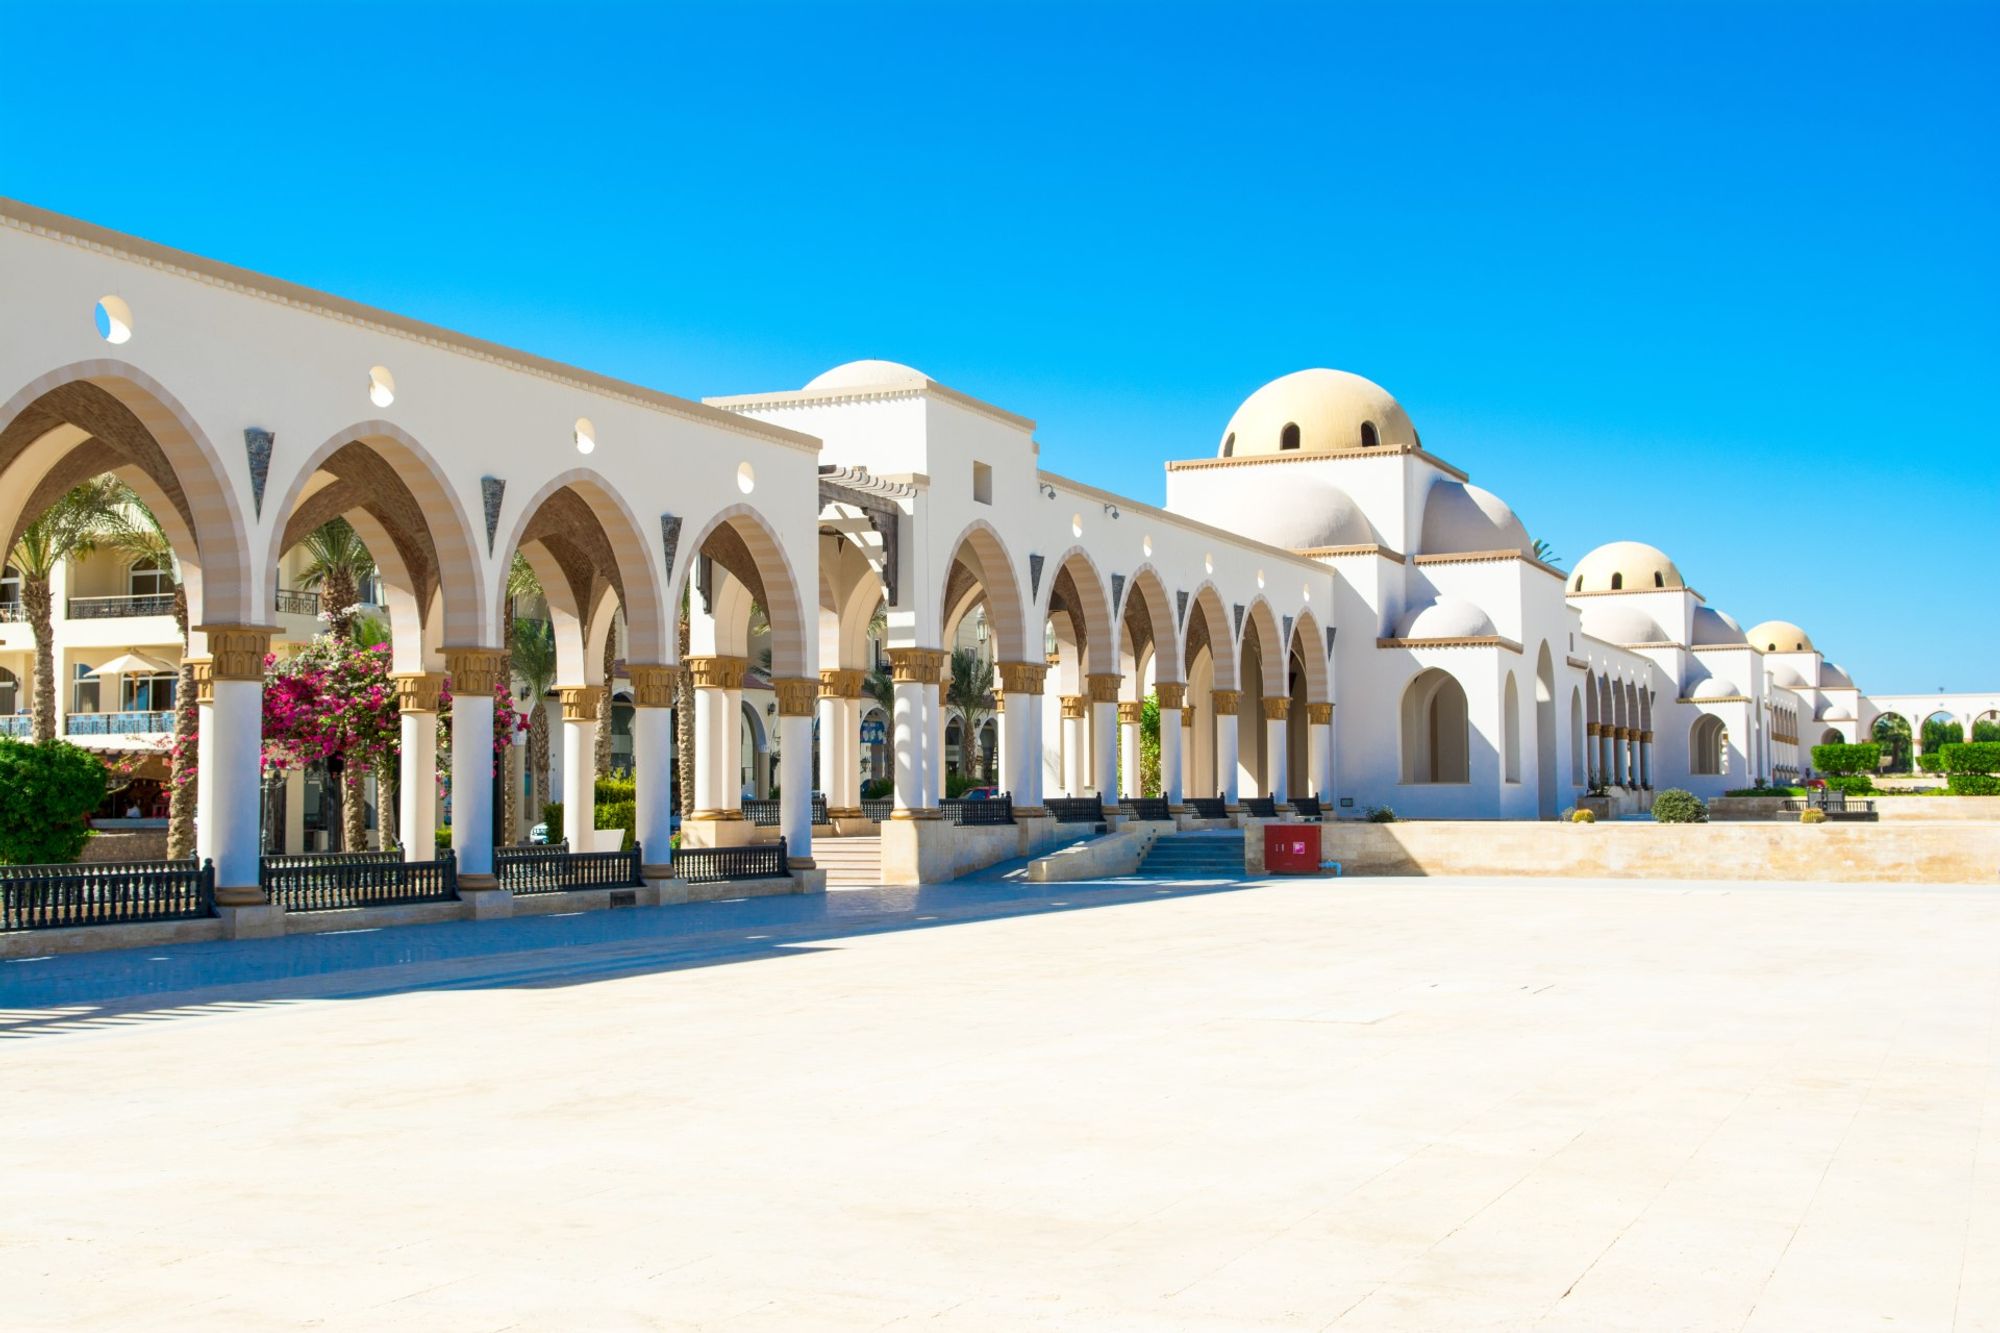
[(1111, 509), (1048, 491)]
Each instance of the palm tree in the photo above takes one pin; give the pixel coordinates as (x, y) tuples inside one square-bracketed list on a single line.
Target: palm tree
[(338, 564), (70, 528), (1544, 552), (684, 708), (602, 757), (131, 528), (971, 693), (535, 667), (522, 585)]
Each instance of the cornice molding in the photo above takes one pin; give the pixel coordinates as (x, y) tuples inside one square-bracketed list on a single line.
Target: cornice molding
[(1380, 451), (1476, 641)]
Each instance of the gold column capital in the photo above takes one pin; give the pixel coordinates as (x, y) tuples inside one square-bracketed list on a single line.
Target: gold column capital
[(580, 702), (1593, 728), (473, 670), (1131, 712), (237, 652), (1187, 716), (1224, 701), (1102, 686), (652, 685), (797, 695), (1172, 693), (203, 669), (1278, 709), (841, 682), (917, 666), (417, 691), (1023, 677), (716, 672), (1073, 705), (1319, 714)]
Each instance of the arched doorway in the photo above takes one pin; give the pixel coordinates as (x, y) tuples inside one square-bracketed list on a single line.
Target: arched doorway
[(1546, 798), (1436, 727)]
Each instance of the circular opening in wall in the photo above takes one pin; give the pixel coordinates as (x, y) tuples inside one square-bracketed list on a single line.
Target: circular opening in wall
[(1260, 578), (1305, 592), (586, 435), (381, 386), (746, 478), (114, 320), (1208, 563), (1076, 525), (1147, 547)]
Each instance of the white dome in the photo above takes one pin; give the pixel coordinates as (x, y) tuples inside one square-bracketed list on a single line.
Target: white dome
[(1787, 678), (868, 375), (1462, 518), (1834, 677), (1621, 622), (1715, 687), (1316, 412), (1836, 715), (1307, 514), (1446, 618), (1625, 567), (1780, 636), (1716, 627)]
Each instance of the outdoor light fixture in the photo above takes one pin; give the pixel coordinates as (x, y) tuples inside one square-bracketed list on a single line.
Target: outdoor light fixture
[(1048, 491), (1111, 509)]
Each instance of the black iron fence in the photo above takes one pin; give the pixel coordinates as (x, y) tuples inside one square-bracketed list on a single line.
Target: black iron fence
[(334, 881), (991, 810), (557, 869), (707, 865), (1209, 807), (878, 808), (1077, 809), (1147, 807), (768, 812), (298, 602), (108, 893), (1260, 807), (108, 608)]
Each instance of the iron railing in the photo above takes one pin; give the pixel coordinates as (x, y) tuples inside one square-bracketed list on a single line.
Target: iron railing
[(1209, 807), (557, 869), (709, 865), (1260, 807), (119, 724), (1077, 809), (769, 812), (878, 808), (11, 610), (992, 810), (297, 602), (333, 881), (107, 893), (16, 724), (1147, 807), (110, 608), (1308, 807)]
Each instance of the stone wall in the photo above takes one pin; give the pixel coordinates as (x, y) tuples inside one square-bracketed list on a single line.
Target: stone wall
[(126, 844), (1913, 852)]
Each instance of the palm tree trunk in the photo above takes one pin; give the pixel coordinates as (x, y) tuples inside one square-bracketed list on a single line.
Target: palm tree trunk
[(603, 755), (354, 808), (510, 793), (180, 777), (341, 593), (684, 715), (385, 809), (538, 753), (39, 601)]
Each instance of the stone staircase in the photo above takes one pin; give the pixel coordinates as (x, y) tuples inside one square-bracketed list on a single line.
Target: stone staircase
[(1217, 855), (850, 863)]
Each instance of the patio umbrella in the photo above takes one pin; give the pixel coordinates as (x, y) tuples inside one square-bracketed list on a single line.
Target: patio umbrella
[(133, 664)]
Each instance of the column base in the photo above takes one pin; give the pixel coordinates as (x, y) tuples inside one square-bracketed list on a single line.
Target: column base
[(916, 812), (714, 816), (251, 895), (652, 872), (800, 863), (254, 921), (1031, 812)]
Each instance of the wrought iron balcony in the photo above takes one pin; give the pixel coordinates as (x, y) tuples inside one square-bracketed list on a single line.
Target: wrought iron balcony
[(297, 602), (119, 724), (111, 608), (11, 611), (16, 724)]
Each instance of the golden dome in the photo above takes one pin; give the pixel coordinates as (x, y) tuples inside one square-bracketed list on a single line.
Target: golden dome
[(1316, 412)]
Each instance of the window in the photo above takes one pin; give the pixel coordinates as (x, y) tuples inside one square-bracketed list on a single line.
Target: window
[(1288, 438), (148, 694), (1229, 444), (1578, 585), (982, 483), (1617, 582), (83, 689), (10, 692), (1510, 730), (149, 578), (10, 587), (1369, 438), (1659, 579)]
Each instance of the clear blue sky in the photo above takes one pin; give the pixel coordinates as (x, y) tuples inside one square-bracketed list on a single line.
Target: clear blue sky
[(1719, 277)]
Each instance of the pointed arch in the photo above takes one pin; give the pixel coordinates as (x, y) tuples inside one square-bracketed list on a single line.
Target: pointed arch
[(750, 550), (1309, 646), (649, 628), (1146, 598), (992, 566), (1073, 577), (1207, 626), (1273, 651)]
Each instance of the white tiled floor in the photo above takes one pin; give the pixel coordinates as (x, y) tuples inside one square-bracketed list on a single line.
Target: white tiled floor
[(1361, 1105)]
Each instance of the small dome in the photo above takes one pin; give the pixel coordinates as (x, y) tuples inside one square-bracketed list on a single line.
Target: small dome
[(868, 375), (1621, 622), (1834, 677), (1836, 714), (1462, 518), (1716, 627), (1786, 678), (1316, 412), (1446, 618), (1625, 567), (1715, 687), (1779, 636)]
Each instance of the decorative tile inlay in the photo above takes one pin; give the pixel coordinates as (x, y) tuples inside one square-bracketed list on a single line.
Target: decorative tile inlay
[(1238, 608), (670, 540), (257, 444), (491, 489), (1329, 640), (1181, 599), (1117, 592), (1288, 631), (1034, 576)]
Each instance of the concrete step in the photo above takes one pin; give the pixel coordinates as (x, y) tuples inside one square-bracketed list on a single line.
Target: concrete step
[(849, 862)]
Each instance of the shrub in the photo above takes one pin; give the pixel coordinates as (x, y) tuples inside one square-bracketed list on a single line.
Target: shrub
[(552, 816), (1812, 816), (958, 784), (1863, 758), (877, 788), (1767, 791), (608, 814), (1381, 814), (1675, 806), (46, 795), (1974, 784), (1931, 763), (1854, 784), (610, 791), (1582, 816), (1971, 757), (442, 838)]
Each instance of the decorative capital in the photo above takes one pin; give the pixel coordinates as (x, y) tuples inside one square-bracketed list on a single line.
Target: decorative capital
[(1073, 705), (1278, 709), (204, 679), (1225, 701), (1646, 736), (797, 695), (472, 670), (1103, 686), (652, 685), (236, 652), (417, 691), (1172, 693), (842, 682), (916, 666), (1593, 729), (1187, 716), (717, 673), (1131, 712), (580, 702), (1023, 677), (1319, 715)]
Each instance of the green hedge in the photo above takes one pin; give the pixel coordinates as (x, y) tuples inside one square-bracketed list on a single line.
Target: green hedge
[(1973, 784), (610, 814), (46, 793), (1971, 757), (1863, 758), (1931, 763), (1854, 784), (1675, 806)]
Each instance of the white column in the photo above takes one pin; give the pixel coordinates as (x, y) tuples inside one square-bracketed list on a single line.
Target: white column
[(1173, 741), (1277, 751), (850, 770), (1101, 735), (230, 752), (653, 761), (1188, 721), (718, 732), (795, 774), (1075, 744), (708, 745), (416, 775), (579, 743), (472, 674), (936, 769), (834, 739), (1319, 735), (915, 788), (295, 806), (1226, 737), (1130, 744)]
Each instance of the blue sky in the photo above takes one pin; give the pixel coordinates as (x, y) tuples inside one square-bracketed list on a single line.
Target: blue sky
[(1720, 277)]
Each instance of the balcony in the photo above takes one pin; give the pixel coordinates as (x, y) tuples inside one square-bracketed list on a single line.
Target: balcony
[(11, 611), (297, 602), (111, 608), (119, 724), (16, 724)]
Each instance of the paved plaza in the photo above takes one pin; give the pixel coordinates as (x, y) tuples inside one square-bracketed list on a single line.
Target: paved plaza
[(1408, 1104)]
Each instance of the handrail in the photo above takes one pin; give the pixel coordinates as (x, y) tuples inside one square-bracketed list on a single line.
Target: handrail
[(109, 608), (754, 860), (331, 881), (119, 724), (104, 893)]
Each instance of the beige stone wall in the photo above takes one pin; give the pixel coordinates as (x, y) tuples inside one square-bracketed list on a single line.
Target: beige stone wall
[(1914, 852), (929, 851)]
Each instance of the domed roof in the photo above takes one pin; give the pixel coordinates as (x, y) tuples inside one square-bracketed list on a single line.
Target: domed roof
[(1716, 687), (1834, 677), (1779, 636), (1308, 514), (867, 375), (1836, 714), (1716, 627), (1786, 678), (1460, 517), (1445, 618), (1625, 567), (1316, 412), (1621, 622)]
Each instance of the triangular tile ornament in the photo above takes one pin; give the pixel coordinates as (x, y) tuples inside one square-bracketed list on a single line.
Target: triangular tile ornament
[(1288, 631), (1329, 640), (1239, 620), (1034, 576), (670, 540), (257, 443), (1180, 605), (491, 489), (1117, 592)]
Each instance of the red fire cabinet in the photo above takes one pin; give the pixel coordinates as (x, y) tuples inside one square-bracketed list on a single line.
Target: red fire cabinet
[(1291, 849)]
